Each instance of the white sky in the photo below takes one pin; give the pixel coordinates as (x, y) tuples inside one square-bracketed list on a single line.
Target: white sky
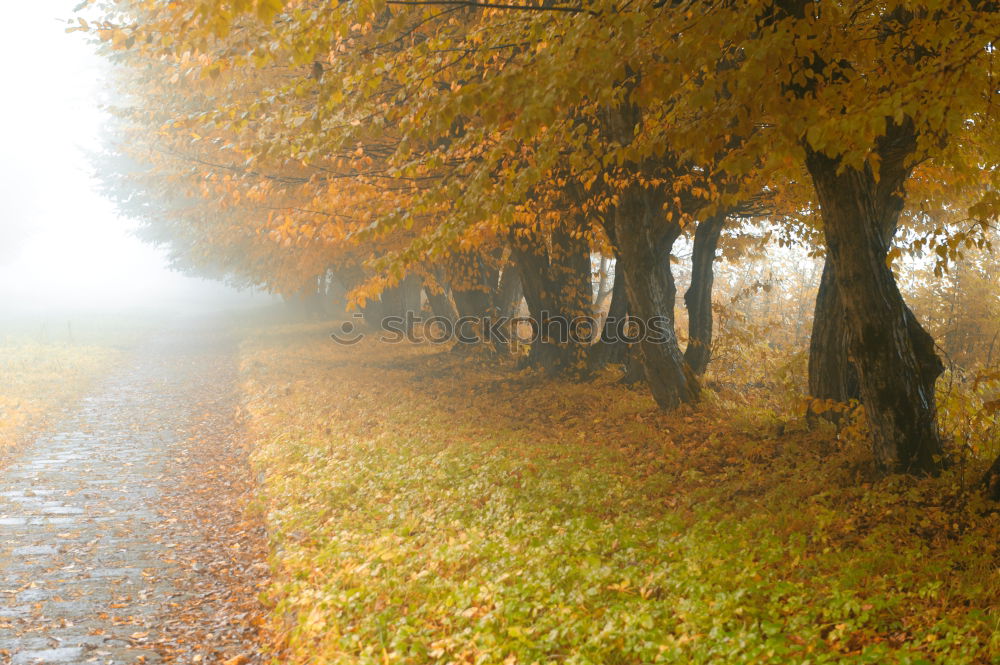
[(61, 243)]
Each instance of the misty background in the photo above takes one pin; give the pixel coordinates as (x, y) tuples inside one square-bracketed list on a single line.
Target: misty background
[(63, 248)]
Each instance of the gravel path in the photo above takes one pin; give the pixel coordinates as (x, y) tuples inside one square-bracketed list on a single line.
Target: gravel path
[(101, 559)]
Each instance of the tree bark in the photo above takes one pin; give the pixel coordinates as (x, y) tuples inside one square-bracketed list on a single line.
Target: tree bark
[(440, 301), (698, 297), (506, 303), (894, 357), (645, 238), (611, 348), (603, 290), (507, 299), (532, 264), (555, 278), (831, 373)]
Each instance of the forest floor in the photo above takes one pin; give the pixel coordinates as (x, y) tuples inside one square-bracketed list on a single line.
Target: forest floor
[(271, 496), (123, 534), (428, 506)]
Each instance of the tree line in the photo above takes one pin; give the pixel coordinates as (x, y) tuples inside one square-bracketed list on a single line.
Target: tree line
[(483, 153)]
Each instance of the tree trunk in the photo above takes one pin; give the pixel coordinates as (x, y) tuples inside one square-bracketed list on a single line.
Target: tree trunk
[(895, 360), (634, 371), (611, 348), (506, 302), (440, 301), (412, 286), (307, 302), (831, 374), (571, 281), (476, 285), (401, 300), (533, 266), (555, 278), (604, 284), (336, 296), (698, 297), (441, 305), (509, 292), (645, 238), (373, 312)]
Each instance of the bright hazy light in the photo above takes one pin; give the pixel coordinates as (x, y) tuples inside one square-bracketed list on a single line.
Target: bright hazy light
[(61, 243)]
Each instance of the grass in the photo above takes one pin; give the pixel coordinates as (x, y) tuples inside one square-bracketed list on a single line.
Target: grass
[(47, 362), (37, 380), (425, 507)]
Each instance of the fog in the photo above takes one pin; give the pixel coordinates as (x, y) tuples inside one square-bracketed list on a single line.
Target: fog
[(62, 246)]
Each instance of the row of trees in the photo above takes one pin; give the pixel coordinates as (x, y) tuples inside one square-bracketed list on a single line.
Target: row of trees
[(485, 151)]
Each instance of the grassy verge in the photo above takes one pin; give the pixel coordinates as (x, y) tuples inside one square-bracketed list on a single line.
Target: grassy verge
[(48, 361), (37, 379), (426, 508)]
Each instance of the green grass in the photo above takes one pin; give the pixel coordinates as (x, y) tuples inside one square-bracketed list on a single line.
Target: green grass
[(424, 508)]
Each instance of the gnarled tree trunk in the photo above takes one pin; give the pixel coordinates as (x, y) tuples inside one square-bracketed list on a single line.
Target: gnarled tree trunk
[(895, 360), (645, 238), (832, 374)]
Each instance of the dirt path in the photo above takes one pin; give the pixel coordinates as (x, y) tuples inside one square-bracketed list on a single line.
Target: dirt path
[(121, 534)]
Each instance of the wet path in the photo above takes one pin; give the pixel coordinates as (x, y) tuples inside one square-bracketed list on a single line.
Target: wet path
[(94, 567)]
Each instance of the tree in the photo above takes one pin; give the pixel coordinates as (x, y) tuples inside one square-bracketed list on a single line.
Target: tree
[(860, 102), (394, 135)]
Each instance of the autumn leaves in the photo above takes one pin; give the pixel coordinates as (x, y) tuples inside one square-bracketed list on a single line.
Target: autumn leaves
[(487, 153)]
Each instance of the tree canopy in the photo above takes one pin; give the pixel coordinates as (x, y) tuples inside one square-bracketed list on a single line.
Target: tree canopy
[(463, 144)]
